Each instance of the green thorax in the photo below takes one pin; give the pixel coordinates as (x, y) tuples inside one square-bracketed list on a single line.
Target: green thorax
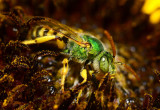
[(81, 54), (96, 46)]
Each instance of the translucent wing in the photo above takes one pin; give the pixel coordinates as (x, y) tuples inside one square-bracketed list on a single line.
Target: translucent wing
[(51, 29)]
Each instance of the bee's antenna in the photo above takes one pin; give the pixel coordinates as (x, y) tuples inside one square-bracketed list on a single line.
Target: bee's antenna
[(109, 37), (129, 69), (114, 54)]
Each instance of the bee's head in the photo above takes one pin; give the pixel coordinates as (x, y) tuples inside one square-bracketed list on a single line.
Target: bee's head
[(104, 62)]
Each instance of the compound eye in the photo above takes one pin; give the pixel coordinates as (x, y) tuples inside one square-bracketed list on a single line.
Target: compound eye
[(104, 65)]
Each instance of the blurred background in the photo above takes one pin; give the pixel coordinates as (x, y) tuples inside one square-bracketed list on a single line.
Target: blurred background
[(133, 24)]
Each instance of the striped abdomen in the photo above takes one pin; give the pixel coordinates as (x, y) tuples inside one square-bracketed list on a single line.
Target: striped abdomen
[(48, 29), (44, 31)]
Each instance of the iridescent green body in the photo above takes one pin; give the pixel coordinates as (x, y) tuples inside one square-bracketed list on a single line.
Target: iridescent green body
[(81, 54), (95, 55)]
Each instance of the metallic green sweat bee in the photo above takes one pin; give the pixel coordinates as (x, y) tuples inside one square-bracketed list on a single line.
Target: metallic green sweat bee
[(81, 47)]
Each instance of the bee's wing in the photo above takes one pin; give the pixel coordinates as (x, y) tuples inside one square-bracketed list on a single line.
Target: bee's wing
[(61, 29), (70, 33)]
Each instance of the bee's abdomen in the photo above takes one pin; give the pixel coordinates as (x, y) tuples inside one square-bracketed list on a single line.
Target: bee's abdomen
[(44, 31)]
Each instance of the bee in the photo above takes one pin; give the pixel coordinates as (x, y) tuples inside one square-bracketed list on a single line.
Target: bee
[(79, 46)]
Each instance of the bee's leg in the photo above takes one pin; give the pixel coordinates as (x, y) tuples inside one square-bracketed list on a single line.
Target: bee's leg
[(102, 80), (39, 40), (84, 76), (64, 73), (42, 39), (61, 44)]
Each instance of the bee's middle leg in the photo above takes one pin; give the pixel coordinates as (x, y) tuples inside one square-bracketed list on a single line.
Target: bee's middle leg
[(64, 73), (84, 76)]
